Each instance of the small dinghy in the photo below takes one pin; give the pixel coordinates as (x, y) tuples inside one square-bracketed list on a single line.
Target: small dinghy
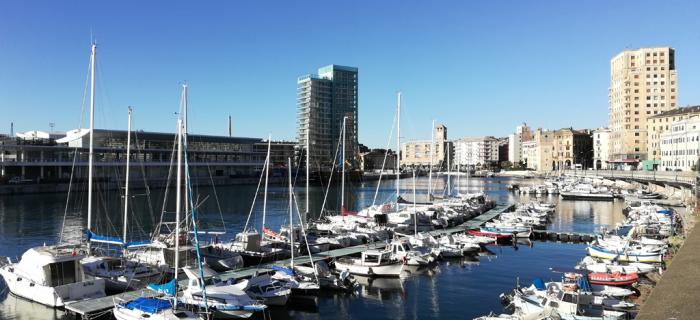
[(613, 279), (499, 237)]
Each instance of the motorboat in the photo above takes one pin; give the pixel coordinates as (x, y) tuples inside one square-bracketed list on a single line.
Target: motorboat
[(613, 279), (223, 300), (263, 287), (373, 263), (151, 308), (51, 275)]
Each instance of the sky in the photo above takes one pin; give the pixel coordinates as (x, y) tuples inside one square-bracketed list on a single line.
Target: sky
[(479, 67)]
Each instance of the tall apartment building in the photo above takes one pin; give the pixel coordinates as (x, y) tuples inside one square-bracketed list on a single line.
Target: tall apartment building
[(417, 152), (642, 84), (323, 100), (515, 142), (476, 152)]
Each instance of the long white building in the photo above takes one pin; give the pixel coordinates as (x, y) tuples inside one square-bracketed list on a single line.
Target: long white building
[(476, 152), (680, 146)]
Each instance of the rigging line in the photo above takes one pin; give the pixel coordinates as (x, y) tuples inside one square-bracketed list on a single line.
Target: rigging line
[(157, 230), (255, 197), (303, 232), (386, 154), (142, 166), (75, 153), (216, 197), (330, 178)]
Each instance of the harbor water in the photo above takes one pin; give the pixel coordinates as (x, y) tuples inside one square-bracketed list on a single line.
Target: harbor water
[(462, 289)]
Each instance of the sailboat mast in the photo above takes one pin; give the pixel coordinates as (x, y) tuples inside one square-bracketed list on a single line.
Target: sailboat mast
[(178, 205), (126, 184), (342, 176), (430, 170), (91, 155), (184, 137), (449, 173), (415, 213), (308, 163), (291, 224), (267, 176), (398, 147)]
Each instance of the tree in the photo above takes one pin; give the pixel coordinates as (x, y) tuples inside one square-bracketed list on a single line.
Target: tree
[(506, 165)]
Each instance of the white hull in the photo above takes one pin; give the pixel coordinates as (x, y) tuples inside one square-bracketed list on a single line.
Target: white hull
[(121, 313), (607, 255), (58, 296), (387, 270)]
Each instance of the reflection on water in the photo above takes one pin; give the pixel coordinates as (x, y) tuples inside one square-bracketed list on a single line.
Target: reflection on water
[(457, 288)]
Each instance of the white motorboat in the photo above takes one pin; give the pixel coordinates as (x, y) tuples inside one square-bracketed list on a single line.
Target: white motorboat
[(402, 250), (272, 292), (224, 301), (373, 263), (51, 275)]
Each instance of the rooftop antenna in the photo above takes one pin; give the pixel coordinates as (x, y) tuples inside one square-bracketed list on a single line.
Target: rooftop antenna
[(51, 125), (12, 129)]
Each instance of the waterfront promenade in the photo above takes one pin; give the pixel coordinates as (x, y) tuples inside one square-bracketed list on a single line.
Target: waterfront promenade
[(676, 294)]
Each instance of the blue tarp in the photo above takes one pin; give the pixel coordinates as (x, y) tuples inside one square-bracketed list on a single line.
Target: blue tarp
[(539, 284), (664, 211), (583, 284), (167, 288), (91, 236), (284, 270), (149, 305)]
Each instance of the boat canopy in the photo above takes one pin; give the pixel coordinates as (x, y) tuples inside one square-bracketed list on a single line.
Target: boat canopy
[(149, 305)]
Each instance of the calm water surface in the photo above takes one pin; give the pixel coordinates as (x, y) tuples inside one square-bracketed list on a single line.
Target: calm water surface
[(452, 289)]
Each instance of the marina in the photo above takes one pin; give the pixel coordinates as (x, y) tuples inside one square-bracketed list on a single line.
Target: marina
[(291, 161)]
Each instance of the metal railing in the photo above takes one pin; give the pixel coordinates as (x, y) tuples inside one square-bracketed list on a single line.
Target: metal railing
[(685, 177)]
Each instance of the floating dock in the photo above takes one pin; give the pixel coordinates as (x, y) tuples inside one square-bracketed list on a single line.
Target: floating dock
[(87, 308), (563, 236)]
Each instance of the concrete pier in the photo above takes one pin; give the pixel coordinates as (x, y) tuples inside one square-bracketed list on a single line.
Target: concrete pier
[(676, 295)]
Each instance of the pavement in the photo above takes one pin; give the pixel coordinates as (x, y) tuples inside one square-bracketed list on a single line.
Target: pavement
[(676, 296)]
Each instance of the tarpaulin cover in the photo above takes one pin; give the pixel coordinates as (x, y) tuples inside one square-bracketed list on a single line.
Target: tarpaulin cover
[(149, 305)]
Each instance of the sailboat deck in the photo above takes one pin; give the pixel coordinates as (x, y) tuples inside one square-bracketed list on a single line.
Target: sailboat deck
[(92, 306)]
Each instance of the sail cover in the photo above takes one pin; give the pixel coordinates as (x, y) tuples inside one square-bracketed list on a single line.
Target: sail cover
[(167, 288), (93, 237), (149, 305)]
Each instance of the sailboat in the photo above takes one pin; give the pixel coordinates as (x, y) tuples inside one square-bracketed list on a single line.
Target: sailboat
[(166, 307), (298, 283), (52, 275), (121, 274), (250, 243)]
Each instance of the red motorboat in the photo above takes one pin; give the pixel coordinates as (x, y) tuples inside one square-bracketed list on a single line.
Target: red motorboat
[(612, 279), (500, 238)]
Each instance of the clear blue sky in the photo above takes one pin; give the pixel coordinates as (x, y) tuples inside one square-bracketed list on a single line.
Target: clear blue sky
[(480, 67)]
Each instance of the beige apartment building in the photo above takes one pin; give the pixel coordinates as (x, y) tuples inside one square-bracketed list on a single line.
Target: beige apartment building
[(559, 149), (660, 123), (642, 84), (417, 153)]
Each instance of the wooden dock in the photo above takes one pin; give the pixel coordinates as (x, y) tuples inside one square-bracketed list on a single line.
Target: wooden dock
[(87, 308)]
